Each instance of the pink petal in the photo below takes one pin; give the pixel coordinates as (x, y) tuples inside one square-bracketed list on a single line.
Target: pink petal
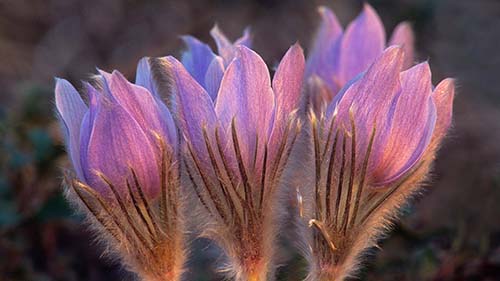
[(370, 98), (403, 36), (116, 143), (363, 41), (194, 107), (324, 50), (149, 112), (287, 86), (411, 128), (246, 95), (287, 82), (443, 99)]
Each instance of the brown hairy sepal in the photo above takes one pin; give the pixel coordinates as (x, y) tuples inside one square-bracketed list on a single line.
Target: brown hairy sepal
[(243, 208), (341, 216), (146, 235)]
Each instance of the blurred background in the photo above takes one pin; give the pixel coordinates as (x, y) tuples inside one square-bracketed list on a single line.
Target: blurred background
[(452, 232)]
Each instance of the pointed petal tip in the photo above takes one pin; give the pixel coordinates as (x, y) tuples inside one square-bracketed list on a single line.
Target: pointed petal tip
[(247, 33), (423, 66), (144, 59), (405, 25), (367, 8), (322, 10), (442, 97), (215, 28), (170, 60), (101, 71), (242, 49), (187, 39), (117, 74), (394, 48), (403, 35), (104, 74), (446, 87), (449, 82), (64, 90), (297, 47), (395, 52), (391, 54), (61, 82), (216, 32), (370, 12)]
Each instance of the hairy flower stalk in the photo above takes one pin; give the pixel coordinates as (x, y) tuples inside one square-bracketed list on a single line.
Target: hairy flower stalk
[(237, 144), (338, 56), (124, 151), (373, 147)]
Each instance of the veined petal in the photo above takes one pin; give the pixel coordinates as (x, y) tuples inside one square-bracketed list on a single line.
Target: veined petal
[(287, 82), (71, 110), (370, 100), (195, 107), (363, 41), (214, 76), (403, 36), (150, 113), (197, 59), (287, 86), (117, 143), (246, 95), (412, 126), (324, 50), (144, 78), (443, 99)]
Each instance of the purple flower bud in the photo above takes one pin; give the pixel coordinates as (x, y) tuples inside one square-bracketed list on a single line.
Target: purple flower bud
[(401, 106), (238, 143), (373, 146), (117, 132)]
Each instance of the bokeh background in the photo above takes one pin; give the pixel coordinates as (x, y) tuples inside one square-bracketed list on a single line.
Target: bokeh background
[(452, 232)]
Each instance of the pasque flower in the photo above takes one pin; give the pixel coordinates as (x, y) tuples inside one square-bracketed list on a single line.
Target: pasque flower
[(237, 144), (337, 56), (123, 150), (373, 147)]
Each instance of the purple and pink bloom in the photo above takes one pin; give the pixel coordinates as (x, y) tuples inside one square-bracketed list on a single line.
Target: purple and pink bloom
[(337, 56), (117, 131)]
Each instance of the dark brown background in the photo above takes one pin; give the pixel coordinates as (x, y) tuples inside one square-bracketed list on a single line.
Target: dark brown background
[(451, 233)]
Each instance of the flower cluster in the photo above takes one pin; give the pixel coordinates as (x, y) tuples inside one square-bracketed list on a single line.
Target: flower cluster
[(218, 133)]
